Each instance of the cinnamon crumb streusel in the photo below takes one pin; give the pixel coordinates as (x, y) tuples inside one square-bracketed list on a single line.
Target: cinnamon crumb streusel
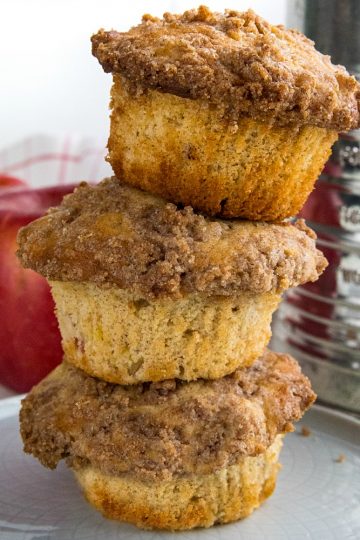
[(163, 429), (114, 234), (237, 61)]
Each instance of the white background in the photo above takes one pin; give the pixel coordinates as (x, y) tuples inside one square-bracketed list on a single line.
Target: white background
[(50, 82)]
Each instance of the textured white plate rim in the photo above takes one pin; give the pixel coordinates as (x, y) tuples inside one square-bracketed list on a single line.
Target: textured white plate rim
[(10, 406)]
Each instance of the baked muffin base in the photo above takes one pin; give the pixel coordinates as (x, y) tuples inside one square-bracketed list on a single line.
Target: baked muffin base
[(226, 495), (188, 152), (120, 337)]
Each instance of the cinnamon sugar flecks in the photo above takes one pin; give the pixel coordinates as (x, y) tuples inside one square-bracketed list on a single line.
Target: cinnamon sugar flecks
[(158, 430), (115, 234), (237, 61)]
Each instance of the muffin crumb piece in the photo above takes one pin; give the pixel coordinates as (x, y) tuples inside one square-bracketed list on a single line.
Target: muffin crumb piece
[(305, 431)]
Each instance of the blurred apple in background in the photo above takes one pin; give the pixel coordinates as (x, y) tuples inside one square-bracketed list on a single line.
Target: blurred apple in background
[(30, 343), (10, 181)]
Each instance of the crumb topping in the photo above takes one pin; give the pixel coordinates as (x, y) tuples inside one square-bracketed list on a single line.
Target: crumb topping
[(305, 431), (237, 61), (166, 428), (112, 233)]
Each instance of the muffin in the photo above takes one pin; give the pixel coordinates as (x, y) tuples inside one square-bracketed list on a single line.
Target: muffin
[(147, 291), (223, 112), (230, 494), (170, 455)]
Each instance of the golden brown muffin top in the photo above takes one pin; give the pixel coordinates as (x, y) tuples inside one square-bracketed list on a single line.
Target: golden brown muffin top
[(113, 233), (167, 428), (237, 61)]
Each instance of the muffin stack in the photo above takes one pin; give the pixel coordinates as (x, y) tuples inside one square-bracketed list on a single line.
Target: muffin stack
[(168, 407)]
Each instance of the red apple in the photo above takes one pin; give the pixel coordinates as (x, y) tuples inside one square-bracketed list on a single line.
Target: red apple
[(30, 343), (7, 181)]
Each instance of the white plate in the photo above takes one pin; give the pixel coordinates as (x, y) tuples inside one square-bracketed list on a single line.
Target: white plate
[(316, 498)]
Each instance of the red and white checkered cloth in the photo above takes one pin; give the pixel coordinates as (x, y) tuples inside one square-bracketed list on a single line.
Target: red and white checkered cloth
[(45, 160)]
